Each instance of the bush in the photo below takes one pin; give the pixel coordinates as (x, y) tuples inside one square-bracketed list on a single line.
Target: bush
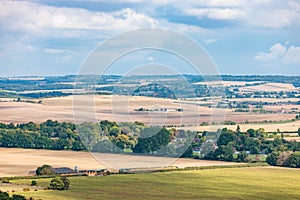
[(17, 197), (62, 183), (26, 189), (33, 183), (56, 184), (5, 180), (66, 182)]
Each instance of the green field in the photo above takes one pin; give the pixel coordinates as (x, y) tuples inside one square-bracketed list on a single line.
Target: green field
[(231, 183)]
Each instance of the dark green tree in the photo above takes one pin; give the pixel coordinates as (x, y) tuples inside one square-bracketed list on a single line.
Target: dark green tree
[(56, 184), (242, 156), (44, 170)]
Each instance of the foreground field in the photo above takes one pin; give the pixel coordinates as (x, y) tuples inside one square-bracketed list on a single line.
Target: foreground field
[(19, 162), (241, 183)]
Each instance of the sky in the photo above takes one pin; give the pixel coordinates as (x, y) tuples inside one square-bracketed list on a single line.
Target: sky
[(55, 37)]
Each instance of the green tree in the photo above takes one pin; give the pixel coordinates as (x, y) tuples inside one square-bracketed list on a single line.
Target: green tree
[(66, 182), (4, 195), (56, 184), (242, 156), (153, 143), (33, 183), (44, 170), (293, 160), (226, 137), (272, 158), (17, 197)]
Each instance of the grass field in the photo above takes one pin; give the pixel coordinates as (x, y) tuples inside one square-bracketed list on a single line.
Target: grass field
[(238, 183)]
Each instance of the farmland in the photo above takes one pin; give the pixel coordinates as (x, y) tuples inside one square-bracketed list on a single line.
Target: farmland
[(19, 162), (238, 183), (123, 108)]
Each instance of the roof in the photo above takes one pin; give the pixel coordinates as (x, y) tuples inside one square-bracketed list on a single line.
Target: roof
[(63, 170)]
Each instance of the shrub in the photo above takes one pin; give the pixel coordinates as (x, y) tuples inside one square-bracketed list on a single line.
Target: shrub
[(17, 197), (26, 189), (5, 180), (33, 183), (66, 182), (56, 184), (62, 183)]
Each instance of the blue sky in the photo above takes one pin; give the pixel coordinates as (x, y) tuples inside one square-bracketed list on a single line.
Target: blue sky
[(53, 37)]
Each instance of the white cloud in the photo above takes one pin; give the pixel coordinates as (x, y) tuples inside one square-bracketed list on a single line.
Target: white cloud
[(34, 17), (53, 51), (292, 55), (273, 18), (294, 5), (150, 58), (280, 53), (210, 40), (215, 13)]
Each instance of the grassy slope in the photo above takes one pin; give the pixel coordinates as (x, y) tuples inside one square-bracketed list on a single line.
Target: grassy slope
[(239, 183)]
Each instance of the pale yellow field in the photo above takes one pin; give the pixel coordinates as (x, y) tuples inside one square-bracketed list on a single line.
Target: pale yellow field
[(122, 109), (19, 162), (277, 87), (226, 83), (284, 127)]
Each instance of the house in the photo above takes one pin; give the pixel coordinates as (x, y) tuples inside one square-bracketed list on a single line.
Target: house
[(96, 172)]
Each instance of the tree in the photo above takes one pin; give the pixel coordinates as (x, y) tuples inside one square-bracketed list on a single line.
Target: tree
[(105, 146), (89, 134), (62, 183), (299, 132), (44, 170), (33, 183), (242, 156), (154, 142), (56, 184), (66, 182), (226, 137), (272, 158), (4, 195), (17, 197), (227, 152), (293, 160)]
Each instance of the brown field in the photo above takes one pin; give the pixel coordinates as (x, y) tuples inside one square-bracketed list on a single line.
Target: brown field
[(19, 162), (122, 108)]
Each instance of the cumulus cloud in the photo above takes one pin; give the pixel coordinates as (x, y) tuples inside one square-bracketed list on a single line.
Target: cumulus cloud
[(32, 16), (215, 13), (280, 53)]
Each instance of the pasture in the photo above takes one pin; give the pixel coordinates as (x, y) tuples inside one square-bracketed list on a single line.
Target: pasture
[(239, 183)]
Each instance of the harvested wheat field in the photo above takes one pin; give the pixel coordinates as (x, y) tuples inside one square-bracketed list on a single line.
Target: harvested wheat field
[(19, 162), (157, 111), (283, 127)]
